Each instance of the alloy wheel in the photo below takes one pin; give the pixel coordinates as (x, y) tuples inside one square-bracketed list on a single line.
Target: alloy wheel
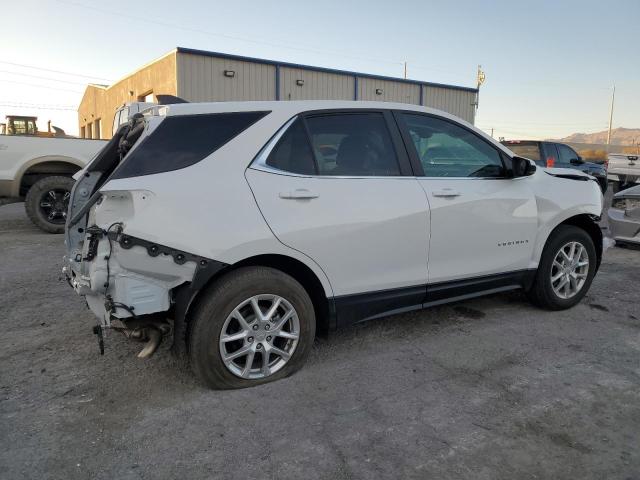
[(569, 270), (54, 204), (259, 336)]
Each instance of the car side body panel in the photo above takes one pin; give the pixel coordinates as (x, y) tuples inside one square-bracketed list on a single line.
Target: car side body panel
[(209, 210)]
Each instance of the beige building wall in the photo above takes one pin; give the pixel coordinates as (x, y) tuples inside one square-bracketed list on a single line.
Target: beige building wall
[(316, 85), (457, 102), (99, 103), (389, 91), (202, 79)]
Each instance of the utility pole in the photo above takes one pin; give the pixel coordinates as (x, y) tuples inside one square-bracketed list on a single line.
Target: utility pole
[(491, 132), (405, 70), (613, 96)]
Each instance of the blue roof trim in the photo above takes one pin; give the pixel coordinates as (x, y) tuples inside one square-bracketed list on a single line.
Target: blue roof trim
[(242, 58)]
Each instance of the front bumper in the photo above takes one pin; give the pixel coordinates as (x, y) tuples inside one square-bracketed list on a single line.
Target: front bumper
[(623, 227)]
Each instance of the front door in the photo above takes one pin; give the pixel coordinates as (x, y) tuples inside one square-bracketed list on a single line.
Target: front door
[(336, 187), (482, 222)]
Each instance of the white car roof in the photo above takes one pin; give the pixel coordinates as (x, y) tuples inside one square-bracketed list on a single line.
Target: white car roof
[(289, 108), (294, 106)]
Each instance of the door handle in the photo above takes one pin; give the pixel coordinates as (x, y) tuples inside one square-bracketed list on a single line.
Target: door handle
[(446, 192), (298, 194)]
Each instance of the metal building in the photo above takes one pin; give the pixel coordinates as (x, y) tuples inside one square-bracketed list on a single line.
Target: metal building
[(202, 76)]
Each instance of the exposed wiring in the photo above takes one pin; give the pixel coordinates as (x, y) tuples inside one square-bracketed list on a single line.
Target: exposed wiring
[(110, 305)]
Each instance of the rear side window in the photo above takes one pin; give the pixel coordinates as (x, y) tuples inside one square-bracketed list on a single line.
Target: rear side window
[(354, 144), (344, 144), (184, 140), (526, 150)]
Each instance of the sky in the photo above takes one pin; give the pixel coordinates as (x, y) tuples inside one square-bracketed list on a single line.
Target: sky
[(549, 64)]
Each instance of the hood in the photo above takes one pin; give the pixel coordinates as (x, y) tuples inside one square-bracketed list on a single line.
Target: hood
[(629, 192), (593, 166), (566, 172)]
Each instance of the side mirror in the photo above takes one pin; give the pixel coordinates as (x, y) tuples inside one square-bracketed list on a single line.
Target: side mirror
[(576, 161), (522, 167)]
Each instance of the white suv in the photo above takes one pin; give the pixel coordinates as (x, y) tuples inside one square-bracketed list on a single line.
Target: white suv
[(253, 225)]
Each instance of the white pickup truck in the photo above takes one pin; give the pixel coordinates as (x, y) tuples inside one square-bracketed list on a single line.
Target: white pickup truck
[(624, 168), (38, 166)]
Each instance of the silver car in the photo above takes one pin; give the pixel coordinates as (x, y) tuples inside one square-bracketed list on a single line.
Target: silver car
[(624, 216)]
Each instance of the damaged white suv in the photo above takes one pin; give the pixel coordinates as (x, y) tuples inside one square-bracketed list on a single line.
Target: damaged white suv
[(245, 228)]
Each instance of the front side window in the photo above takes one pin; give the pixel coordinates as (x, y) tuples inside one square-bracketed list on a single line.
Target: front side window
[(448, 150), (566, 154)]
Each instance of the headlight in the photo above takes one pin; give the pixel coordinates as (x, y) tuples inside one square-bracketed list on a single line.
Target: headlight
[(626, 203)]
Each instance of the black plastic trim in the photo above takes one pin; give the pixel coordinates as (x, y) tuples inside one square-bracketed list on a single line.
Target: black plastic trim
[(360, 307)]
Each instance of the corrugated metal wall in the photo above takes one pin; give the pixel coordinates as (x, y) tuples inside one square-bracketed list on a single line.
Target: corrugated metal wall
[(317, 85), (457, 102), (391, 91), (201, 79)]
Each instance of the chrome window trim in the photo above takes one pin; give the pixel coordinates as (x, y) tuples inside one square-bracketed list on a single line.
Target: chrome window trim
[(260, 163)]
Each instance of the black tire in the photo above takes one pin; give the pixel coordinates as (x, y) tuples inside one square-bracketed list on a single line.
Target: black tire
[(36, 195), (542, 293), (220, 300)]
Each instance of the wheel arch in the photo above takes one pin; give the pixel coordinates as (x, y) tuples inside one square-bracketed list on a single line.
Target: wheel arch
[(586, 222), (40, 167), (186, 299)]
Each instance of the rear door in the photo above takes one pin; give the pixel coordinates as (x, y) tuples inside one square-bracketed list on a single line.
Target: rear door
[(482, 222), (338, 187)]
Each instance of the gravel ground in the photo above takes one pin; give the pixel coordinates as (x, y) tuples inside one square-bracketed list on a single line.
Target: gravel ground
[(485, 389)]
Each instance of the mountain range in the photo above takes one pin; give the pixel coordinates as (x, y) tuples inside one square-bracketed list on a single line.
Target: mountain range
[(619, 136)]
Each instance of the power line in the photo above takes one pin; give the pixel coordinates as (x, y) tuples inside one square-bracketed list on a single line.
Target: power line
[(39, 86), (43, 78), (231, 37), (37, 107), (222, 35), (54, 71)]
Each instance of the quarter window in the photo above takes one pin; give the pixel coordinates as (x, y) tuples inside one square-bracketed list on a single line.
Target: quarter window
[(183, 140), (448, 150), (293, 153)]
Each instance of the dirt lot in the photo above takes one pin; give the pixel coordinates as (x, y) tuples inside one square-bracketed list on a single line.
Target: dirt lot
[(489, 388)]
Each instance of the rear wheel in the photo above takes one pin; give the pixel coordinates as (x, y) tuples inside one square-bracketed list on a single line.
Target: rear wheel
[(566, 269), (47, 203), (253, 326)]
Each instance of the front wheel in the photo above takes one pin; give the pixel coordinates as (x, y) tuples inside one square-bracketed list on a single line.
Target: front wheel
[(47, 203), (566, 269), (253, 326)]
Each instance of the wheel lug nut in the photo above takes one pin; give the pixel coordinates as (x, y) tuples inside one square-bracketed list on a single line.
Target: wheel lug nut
[(259, 346), (255, 327), (267, 327), (269, 338), (250, 339)]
